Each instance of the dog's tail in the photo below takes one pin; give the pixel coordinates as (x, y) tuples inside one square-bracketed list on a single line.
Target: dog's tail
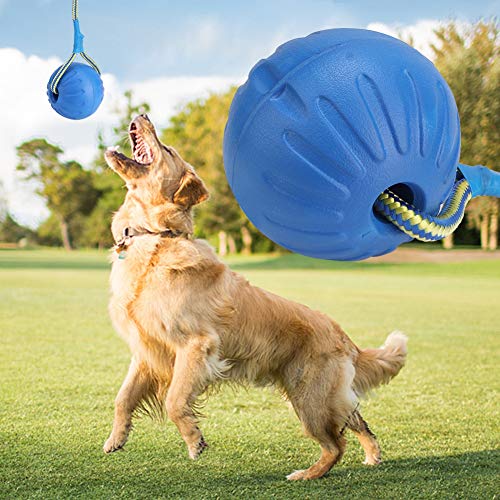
[(378, 366)]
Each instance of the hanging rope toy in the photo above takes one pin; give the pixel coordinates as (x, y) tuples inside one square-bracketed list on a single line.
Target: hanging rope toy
[(480, 181), (345, 144), (75, 90)]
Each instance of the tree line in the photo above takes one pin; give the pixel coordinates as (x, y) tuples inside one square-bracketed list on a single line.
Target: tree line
[(82, 199)]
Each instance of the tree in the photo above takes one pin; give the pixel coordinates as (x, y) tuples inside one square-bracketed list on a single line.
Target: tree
[(49, 232), (470, 63), (66, 187), (12, 232), (197, 132), (109, 185)]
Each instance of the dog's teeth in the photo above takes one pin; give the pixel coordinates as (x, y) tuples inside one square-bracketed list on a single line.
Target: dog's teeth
[(142, 152)]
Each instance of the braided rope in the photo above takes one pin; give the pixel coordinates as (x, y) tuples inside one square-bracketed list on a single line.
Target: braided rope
[(74, 10), (422, 226), (90, 61), (77, 49)]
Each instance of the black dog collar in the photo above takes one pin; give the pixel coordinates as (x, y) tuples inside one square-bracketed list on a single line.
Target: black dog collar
[(131, 232)]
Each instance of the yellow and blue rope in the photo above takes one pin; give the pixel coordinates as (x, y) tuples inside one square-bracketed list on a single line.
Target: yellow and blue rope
[(77, 49), (422, 226)]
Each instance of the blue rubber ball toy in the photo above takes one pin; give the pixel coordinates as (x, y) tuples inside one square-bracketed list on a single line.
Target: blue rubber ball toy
[(79, 92), (327, 123)]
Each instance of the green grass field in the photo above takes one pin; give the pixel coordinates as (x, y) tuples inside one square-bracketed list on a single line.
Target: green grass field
[(61, 365)]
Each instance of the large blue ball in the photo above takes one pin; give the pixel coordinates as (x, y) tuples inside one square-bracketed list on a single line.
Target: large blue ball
[(79, 92), (326, 124)]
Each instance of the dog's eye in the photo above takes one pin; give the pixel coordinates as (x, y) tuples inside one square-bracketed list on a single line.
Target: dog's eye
[(168, 151)]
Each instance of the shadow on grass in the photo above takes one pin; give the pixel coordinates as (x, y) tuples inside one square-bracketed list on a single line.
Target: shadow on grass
[(467, 475)]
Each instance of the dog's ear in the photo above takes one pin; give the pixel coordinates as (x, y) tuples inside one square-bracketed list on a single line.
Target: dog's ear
[(191, 190)]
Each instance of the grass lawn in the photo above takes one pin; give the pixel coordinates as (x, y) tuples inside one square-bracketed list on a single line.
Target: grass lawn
[(61, 365)]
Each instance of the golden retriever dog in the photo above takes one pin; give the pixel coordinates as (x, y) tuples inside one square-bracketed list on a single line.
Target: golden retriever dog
[(191, 322)]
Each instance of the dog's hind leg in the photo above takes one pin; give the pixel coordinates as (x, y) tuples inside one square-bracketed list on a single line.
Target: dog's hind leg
[(196, 365), (323, 405), (332, 449), (367, 439), (133, 390)]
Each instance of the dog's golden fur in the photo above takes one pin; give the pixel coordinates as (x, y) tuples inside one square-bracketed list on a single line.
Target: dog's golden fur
[(191, 322)]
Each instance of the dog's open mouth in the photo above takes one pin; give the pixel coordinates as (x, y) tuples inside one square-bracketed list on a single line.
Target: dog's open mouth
[(142, 152)]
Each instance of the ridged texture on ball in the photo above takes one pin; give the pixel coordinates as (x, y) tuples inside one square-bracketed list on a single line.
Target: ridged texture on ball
[(80, 92), (326, 124)]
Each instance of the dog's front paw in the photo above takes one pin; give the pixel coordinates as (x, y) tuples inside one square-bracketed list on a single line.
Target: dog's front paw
[(114, 443), (372, 460), (196, 450)]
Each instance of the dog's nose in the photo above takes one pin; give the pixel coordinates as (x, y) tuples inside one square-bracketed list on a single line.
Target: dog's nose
[(138, 122)]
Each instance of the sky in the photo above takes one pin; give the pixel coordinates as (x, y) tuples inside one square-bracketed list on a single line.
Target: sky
[(168, 52)]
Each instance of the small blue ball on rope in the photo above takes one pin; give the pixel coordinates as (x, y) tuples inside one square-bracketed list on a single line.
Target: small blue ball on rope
[(80, 92), (75, 90)]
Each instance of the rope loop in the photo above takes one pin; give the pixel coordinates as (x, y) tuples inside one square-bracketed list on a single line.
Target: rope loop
[(422, 226), (77, 50)]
